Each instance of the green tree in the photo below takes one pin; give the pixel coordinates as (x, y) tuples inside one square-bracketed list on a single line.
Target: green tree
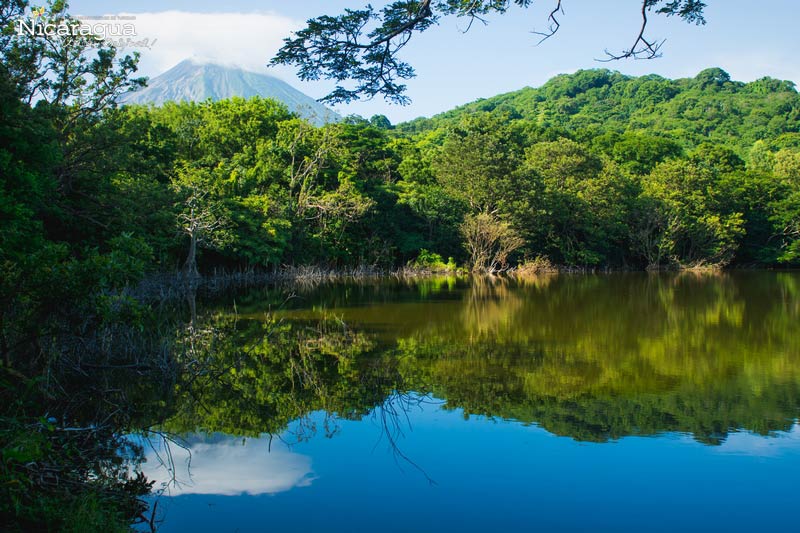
[(476, 162), (578, 213), (720, 158), (637, 152), (786, 165), (699, 226), (200, 216)]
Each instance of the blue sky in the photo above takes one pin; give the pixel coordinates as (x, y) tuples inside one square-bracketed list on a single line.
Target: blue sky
[(454, 68)]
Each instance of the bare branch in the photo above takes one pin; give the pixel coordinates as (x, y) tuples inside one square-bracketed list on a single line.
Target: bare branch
[(641, 48), (554, 24)]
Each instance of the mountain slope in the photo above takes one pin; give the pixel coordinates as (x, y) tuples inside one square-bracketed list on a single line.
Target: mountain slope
[(193, 81), (709, 106)]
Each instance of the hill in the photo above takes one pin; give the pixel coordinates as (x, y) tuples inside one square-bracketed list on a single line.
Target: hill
[(708, 107)]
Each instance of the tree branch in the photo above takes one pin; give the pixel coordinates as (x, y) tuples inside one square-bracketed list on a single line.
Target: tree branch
[(554, 24), (647, 50), (643, 48), (344, 49)]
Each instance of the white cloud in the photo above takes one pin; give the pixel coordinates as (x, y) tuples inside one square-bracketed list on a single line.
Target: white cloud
[(247, 40), (229, 466)]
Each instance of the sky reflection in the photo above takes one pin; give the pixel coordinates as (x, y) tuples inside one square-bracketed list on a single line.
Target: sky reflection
[(227, 466)]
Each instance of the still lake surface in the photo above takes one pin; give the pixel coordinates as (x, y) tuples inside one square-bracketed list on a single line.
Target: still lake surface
[(621, 402)]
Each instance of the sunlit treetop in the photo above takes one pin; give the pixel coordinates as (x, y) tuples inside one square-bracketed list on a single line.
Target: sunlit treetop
[(359, 49)]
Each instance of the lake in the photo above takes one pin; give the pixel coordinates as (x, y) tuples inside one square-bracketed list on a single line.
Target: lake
[(619, 402)]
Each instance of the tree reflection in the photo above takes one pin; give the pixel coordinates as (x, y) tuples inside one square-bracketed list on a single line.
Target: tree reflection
[(256, 376), (595, 358), (599, 358)]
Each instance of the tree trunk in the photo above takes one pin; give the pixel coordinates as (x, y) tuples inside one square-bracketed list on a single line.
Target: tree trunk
[(190, 266)]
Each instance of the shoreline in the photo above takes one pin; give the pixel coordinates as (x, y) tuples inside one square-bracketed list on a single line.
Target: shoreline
[(165, 285)]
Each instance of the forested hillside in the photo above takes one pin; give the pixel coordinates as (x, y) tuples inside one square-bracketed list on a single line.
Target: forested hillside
[(691, 111), (607, 169)]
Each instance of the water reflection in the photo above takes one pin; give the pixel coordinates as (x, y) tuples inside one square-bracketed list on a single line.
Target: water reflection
[(503, 393), (225, 465), (749, 444), (593, 357)]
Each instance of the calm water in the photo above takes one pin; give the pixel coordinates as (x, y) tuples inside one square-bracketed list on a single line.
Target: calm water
[(621, 402)]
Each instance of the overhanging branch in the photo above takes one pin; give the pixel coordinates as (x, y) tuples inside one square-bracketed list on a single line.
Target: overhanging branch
[(360, 49)]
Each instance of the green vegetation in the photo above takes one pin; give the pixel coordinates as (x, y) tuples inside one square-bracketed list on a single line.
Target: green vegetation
[(588, 357), (432, 262), (592, 170), (258, 376), (601, 169), (602, 358), (608, 182)]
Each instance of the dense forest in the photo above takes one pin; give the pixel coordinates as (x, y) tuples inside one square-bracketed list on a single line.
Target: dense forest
[(593, 170)]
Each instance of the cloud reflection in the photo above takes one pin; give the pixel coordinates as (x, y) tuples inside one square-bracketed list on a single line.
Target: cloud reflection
[(751, 444), (226, 466)]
